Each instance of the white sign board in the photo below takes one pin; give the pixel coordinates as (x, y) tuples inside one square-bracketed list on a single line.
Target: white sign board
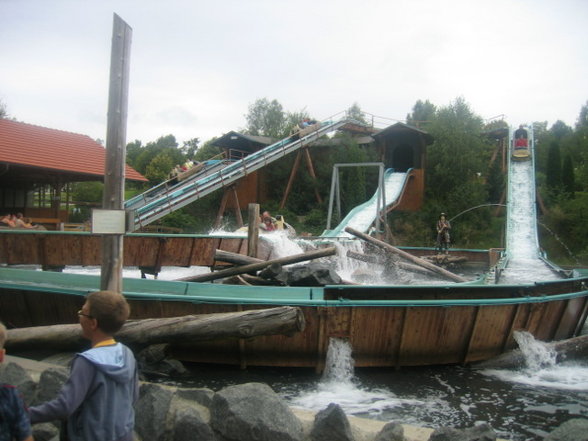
[(108, 221)]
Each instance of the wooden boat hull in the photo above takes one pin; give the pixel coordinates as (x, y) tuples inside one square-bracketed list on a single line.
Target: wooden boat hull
[(386, 325)]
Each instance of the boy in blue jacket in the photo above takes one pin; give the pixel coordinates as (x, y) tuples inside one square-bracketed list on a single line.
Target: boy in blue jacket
[(97, 398), (14, 420)]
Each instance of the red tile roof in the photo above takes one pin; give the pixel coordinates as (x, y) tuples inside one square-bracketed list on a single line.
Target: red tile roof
[(36, 146)]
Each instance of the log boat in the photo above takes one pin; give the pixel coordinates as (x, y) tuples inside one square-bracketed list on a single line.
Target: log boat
[(387, 326)]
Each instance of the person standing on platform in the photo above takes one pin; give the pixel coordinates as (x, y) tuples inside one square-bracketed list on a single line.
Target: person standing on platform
[(443, 237)]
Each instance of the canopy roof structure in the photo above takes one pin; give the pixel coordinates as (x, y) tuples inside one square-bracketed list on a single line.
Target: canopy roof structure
[(34, 155)]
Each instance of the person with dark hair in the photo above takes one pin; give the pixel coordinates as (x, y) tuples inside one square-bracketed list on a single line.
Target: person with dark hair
[(97, 398), (521, 137), (268, 223), (443, 237), (14, 419)]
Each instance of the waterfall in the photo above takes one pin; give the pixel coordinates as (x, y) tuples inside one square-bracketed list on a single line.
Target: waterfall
[(537, 354), (339, 363), (542, 369)]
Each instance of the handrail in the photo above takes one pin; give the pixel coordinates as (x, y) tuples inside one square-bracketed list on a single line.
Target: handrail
[(198, 186)]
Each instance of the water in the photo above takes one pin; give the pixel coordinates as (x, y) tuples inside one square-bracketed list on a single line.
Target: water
[(521, 405), (525, 265)]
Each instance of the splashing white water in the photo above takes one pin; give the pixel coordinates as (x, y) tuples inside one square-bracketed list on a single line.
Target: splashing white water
[(339, 363), (541, 368), (338, 385), (537, 354)]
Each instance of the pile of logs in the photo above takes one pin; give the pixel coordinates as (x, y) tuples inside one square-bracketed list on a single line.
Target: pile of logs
[(253, 271)]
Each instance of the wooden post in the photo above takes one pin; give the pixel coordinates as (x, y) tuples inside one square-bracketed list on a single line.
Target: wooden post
[(114, 170), (237, 207), (312, 174), (253, 230), (291, 180)]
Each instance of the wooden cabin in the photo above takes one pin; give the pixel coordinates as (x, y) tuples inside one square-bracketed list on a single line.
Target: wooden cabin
[(399, 146)]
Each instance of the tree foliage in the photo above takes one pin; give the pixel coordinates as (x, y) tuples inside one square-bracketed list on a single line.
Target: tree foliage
[(266, 118), (567, 179), (457, 158), (355, 113), (553, 172), (423, 112)]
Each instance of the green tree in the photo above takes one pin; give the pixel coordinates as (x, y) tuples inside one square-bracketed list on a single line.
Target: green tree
[(3, 112), (85, 195), (553, 172), (458, 155), (265, 118), (422, 114), (568, 180), (159, 168), (560, 129), (207, 151), (355, 113), (134, 149), (495, 182), (190, 147), (141, 157)]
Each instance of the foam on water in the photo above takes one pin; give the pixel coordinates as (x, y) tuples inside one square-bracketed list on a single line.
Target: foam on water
[(338, 385), (541, 368)]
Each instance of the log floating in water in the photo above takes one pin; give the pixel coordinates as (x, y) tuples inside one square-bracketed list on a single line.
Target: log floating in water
[(310, 255), (444, 259), (189, 328), (413, 259)]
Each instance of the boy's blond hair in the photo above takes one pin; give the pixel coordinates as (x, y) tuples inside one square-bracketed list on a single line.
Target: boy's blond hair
[(2, 335)]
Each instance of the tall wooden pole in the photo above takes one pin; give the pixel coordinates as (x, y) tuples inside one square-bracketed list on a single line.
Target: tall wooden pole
[(253, 230), (116, 133)]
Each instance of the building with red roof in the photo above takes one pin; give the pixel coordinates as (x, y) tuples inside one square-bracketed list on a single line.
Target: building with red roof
[(34, 158)]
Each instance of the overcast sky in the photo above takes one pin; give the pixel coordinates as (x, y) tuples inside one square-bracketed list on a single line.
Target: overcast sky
[(197, 65)]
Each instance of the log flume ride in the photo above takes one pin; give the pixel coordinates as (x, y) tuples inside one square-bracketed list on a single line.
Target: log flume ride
[(449, 322)]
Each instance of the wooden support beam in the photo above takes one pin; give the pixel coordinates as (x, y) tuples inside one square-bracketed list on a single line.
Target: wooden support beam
[(312, 174), (291, 179), (237, 207), (252, 231)]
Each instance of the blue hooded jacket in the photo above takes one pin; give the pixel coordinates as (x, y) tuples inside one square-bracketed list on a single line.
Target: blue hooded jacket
[(97, 399)]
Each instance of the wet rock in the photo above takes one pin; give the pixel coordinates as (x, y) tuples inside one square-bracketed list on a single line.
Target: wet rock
[(201, 395), (481, 432), (13, 374), (62, 359), (151, 411), (253, 412), (188, 420), (312, 274), (50, 383), (392, 431), (45, 432), (331, 424), (573, 430)]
